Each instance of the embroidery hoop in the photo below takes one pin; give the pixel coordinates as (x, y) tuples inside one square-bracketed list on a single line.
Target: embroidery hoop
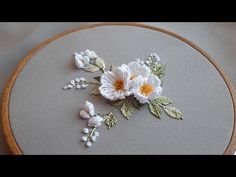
[(12, 144)]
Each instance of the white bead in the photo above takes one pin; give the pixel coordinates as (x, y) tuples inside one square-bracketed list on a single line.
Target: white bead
[(96, 134), (93, 138), (77, 80), (86, 130), (70, 86), (84, 138), (84, 86), (88, 144), (78, 86), (66, 87), (82, 79), (72, 82)]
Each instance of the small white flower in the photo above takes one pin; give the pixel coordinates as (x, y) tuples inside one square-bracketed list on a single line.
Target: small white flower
[(84, 114), (96, 134), (146, 89), (91, 54), (88, 144), (95, 121), (81, 61), (93, 138), (89, 108), (114, 84), (84, 138), (77, 80), (136, 69), (86, 130)]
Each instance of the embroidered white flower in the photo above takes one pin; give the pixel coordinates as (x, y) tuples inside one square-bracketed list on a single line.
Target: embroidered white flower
[(137, 69), (95, 121), (147, 89), (81, 61), (87, 111), (114, 84)]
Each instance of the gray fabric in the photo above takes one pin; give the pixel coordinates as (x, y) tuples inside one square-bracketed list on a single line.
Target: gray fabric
[(44, 118)]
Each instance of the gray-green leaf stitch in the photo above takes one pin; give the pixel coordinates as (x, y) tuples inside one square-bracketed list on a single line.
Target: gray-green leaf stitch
[(95, 91), (110, 120), (91, 68), (100, 63), (155, 109), (158, 69), (173, 112), (127, 109), (162, 100)]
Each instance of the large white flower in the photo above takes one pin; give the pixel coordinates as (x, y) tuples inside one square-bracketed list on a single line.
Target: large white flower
[(147, 89), (81, 61), (114, 84)]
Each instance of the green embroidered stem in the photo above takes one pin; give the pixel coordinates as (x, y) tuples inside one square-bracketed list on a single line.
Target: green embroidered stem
[(91, 133)]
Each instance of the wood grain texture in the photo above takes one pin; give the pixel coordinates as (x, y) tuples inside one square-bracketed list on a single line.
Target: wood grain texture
[(12, 144)]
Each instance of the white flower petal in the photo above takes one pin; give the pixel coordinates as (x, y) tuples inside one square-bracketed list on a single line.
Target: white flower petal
[(95, 121), (84, 114), (89, 108), (79, 63)]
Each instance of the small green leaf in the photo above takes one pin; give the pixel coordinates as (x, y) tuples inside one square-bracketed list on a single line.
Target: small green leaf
[(162, 100), (97, 78), (127, 109), (100, 63), (110, 120), (116, 103), (173, 112), (158, 69), (91, 68), (95, 91), (155, 109)]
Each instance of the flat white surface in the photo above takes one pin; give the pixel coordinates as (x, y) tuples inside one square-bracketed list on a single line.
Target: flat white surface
[(17, 39)]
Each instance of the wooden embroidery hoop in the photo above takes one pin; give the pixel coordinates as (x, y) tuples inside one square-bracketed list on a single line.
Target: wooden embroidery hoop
[(12, 144)]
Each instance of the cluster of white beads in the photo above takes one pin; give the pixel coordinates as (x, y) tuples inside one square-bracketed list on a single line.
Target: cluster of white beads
[(91, 136), (78, 83)]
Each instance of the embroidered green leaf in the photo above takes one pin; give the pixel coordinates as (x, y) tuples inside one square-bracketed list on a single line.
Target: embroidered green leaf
[(155, 109), (100, 63), (135, 102), (91, 68), (173, 112), (158, 69), (116, 103), (127, 109), (110, 120), (98, 78), (95, 91), (162, 100)]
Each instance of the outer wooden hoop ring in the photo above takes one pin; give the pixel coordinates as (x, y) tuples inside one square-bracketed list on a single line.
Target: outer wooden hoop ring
[(12, 144)]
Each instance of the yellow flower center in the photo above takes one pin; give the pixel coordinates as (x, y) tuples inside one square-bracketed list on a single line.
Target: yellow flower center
[(132, 77), (119, 85), (146, 89)]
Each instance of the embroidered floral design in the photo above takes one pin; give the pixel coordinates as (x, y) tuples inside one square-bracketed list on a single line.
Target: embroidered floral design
[(127, 87)]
